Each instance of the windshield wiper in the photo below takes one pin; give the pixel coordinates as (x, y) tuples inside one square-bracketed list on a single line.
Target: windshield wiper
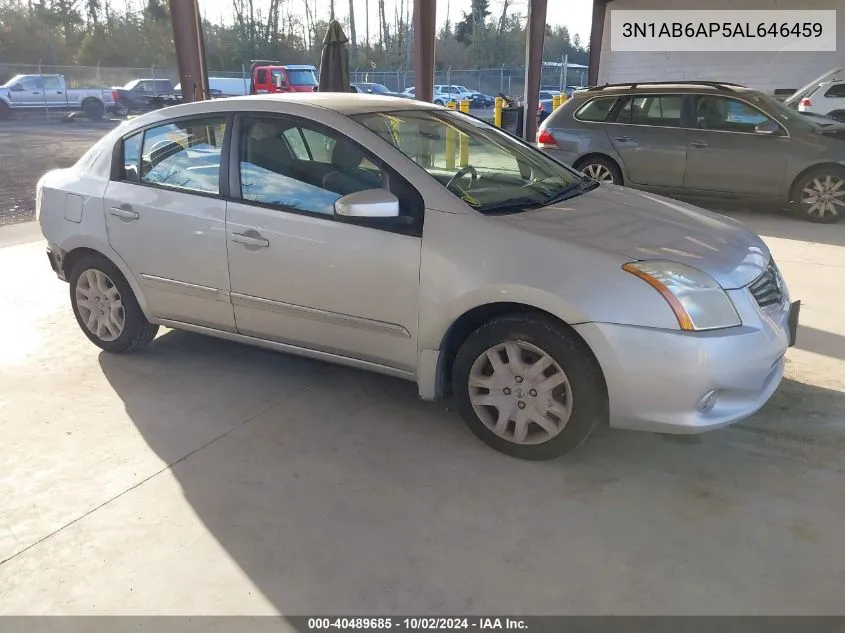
[(527, 203)]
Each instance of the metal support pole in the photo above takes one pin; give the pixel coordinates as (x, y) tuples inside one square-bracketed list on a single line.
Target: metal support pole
[(596, 33), (533, 65), (565, 69), (425, 14), (187, 36)]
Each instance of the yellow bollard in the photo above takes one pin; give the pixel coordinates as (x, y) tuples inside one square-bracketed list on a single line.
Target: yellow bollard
[(497, 112), (464, 138), (450, 148), (563, 98), (555, 102), (451, 105)]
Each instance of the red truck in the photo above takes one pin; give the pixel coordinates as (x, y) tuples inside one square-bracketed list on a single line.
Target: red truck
[(268, 77)]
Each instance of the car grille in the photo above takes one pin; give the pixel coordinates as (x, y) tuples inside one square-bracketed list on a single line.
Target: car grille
[(766, 289)]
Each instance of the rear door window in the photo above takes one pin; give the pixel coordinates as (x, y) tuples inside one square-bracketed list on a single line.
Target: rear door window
[(653, 110), (596, 110)]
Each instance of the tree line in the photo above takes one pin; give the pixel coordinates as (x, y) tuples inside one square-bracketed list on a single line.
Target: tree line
[(138, 34)]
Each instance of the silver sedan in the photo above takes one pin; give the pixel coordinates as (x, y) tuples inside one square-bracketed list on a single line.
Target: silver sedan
[(408, 239)]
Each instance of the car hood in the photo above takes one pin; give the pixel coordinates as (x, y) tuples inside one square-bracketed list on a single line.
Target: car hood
[(644, 226)]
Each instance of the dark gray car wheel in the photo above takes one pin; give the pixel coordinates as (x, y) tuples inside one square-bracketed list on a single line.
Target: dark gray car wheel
[(819, 195), (601, 169), (93, 109), (528, 387)]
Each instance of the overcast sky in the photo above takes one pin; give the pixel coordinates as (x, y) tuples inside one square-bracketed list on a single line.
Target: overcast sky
[(575, 14)]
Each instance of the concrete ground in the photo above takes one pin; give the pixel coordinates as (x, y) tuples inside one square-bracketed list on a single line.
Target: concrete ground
[(203, 477)]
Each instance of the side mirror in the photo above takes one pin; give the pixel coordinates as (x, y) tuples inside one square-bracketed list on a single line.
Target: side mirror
[(16, 88), (768, 128), (370, 203)]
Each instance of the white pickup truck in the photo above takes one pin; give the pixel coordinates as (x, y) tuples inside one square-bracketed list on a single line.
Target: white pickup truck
[(50, 92)]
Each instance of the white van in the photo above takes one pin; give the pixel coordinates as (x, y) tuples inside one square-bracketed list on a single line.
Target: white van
[(225, 86)]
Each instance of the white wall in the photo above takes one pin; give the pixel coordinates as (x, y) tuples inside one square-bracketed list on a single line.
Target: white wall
[(764, 71)]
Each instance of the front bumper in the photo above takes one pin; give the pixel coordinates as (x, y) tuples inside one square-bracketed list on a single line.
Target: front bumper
[(660, 380)]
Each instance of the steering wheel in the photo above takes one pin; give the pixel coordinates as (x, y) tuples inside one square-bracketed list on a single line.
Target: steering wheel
[(469, 169)]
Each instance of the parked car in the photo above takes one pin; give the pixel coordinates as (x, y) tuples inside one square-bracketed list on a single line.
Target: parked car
[(24, 93), (823, 96), (702, 141), (378, 89), (141, 95), (481, 100), (680, 327), (409, 92), (443, 94)]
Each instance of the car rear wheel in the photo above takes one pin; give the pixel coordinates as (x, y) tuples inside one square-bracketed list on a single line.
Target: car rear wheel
[(601, 169), (528, 388), (819, 196), (93, 109), (121, 109), (105, 307)]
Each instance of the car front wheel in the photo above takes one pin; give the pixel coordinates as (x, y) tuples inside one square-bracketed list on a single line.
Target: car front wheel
[(528, 388), (819, 196), (106, 308)]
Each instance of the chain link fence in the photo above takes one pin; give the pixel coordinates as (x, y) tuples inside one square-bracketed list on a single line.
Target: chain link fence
[(510, 81)]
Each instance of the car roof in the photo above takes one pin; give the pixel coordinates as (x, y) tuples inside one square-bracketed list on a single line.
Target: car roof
[(661, 87), (346, 103)]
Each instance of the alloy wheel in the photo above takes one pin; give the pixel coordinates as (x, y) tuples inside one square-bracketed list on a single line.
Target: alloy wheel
[(598, 172), (520, 393), (823, 197), (100, 305)]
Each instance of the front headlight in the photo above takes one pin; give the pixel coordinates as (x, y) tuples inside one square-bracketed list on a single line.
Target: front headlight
[(699, 303)]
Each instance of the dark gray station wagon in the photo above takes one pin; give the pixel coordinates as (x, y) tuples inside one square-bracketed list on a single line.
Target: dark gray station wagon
[(702, 140)]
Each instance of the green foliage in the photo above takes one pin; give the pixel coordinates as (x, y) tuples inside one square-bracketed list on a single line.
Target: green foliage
[(139, 35)]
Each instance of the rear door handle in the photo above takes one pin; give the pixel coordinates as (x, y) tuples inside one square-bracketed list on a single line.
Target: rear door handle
[(123, 213), (698, 144), (623, 139), (252, 239)]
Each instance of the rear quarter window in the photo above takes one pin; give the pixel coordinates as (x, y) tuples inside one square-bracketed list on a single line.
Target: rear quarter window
[(596, 110)]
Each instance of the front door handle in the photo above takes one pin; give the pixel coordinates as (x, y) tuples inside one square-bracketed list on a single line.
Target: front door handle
[(251, 238), (124, 213), (698, 144), (623, 139)]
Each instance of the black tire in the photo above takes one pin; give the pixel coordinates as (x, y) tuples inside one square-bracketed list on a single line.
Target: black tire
[(137, 331), (589, 400), (804, 209), (93, 109), (5, 111), (438, 102), (600, 162)]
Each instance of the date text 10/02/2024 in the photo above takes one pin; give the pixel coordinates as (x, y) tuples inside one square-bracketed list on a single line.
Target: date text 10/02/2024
[(721, 29), (415, 624)]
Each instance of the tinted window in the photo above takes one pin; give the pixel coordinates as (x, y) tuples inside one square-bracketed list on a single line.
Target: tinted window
[(184, 155), (131, 157), (657, 110), (281, 77), (727, 115), (261, 76), (273, 173), (597, 109), (836, 90), (302, 77), (32, 83), (52, 83)]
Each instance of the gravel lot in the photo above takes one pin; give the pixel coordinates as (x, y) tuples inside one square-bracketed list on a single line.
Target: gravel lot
[(28, 149)]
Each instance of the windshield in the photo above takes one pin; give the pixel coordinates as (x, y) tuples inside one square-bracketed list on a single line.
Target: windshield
[(780, 112), (485, 167), (302, 77)]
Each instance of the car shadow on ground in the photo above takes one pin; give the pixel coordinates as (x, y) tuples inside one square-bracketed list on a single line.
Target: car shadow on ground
[(821, 342), (337, 490), (789, 227)]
